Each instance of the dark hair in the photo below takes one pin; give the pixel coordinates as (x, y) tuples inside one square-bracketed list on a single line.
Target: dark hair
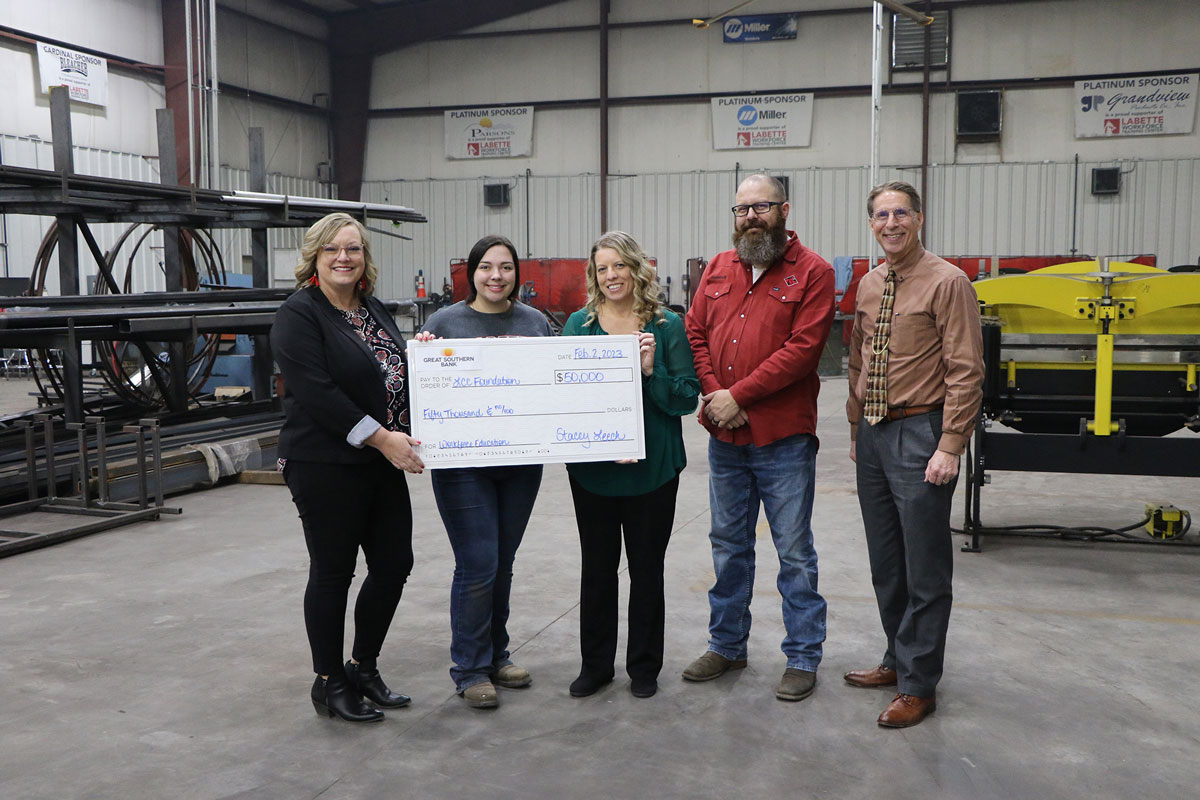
[(914, 197), (476, 255)]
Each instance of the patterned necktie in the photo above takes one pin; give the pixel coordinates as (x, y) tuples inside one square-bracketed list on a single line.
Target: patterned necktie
[(875, 408)]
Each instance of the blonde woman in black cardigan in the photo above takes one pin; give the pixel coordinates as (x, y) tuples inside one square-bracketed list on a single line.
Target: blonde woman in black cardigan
[(344, 449)]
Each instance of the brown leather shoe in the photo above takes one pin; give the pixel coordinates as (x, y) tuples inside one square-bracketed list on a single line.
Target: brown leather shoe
[(906, 710), (871, 678)]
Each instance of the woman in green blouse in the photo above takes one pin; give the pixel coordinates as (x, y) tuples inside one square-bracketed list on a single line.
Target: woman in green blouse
[(623, 298)]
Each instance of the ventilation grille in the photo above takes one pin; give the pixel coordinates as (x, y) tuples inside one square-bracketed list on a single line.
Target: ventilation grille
[(908, 42)]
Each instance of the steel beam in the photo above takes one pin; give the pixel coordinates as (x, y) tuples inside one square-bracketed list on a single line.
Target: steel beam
[(262, 361)]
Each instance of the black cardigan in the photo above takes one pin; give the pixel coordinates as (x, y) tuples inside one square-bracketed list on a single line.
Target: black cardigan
[(331, 378)]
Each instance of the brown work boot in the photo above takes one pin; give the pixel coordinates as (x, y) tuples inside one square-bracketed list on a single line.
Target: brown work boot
[(709, 666), (510, 676), (796, 684), (481, 695)]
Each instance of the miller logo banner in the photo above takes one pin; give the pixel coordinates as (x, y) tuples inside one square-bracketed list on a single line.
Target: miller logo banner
[(85, 76), (501, 132), (1139, 106), (759, 28), (779, 120)]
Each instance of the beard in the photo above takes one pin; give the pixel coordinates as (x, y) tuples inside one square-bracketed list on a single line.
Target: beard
[(761, 245)]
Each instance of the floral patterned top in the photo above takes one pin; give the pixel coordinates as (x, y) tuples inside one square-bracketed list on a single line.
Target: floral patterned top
[(390, 356)]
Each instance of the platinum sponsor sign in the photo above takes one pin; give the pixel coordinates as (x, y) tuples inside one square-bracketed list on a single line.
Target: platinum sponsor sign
[(500, 132), (1148, 105), (780, 120)]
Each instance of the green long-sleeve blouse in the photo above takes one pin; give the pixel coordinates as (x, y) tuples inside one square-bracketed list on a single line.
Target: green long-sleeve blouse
[(669, 393)]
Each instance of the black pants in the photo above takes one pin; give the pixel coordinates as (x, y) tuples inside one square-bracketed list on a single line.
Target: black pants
[(344, 507), (647, 520)]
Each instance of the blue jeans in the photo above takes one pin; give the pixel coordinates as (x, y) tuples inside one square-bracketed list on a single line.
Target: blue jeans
[(781, 475), (485, 510)]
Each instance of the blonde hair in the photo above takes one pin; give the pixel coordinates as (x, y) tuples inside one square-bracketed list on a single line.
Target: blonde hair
[(320, 234), (646, 303)]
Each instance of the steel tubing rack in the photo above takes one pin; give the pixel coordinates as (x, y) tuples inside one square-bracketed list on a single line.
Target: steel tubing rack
[(104, 512)]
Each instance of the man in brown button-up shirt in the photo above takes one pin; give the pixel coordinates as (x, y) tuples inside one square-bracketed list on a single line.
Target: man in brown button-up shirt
[(908, 462)]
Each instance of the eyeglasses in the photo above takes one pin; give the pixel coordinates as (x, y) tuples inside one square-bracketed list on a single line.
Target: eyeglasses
[(759, 208), (900, 214), (352, 250)]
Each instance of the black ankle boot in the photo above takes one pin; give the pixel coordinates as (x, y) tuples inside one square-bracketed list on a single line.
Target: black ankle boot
[(334, 696), (586, 685), (364, 676)]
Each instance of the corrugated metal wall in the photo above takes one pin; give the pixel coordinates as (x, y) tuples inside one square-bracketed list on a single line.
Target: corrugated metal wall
[(562, 218), (21, 234), (973, 209)]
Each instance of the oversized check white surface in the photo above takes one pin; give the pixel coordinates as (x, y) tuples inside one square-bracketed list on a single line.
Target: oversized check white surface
[(536, 400)]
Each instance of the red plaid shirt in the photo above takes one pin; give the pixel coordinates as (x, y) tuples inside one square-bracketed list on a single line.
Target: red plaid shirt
[(762, 341)]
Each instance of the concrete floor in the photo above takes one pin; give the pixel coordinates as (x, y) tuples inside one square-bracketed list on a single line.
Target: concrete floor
[(168, 660)]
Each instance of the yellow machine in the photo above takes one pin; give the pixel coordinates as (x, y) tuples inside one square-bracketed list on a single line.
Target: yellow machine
[(1094, 363)]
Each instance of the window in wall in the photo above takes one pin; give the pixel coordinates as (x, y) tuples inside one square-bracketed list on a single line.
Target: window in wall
[(908, 42)]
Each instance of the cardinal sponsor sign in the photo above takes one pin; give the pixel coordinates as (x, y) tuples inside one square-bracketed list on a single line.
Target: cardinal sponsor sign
[(1139, 106), (84, 75), (489, 132), (780, 120)]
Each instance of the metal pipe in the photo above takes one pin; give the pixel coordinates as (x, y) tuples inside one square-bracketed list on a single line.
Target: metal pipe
[(29, 458), (191, 103), (925, 118), (1075, 205), (156, 456), (269, 199), (905, 11), (101, 460), (704, 23), (140, 444), (528, 243), (214, 152), (51, 476), (603, 115), (876, 87), (201, 97), (84, 468)]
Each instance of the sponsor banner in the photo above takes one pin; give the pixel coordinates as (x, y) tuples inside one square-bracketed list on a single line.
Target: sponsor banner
[(1139, 106), (781, 120), (85, 76), (760, 28), (501, 132)]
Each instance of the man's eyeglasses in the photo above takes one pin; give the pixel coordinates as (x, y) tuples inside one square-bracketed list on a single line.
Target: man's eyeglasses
[(900, 214), (759, 208), (352, 250)]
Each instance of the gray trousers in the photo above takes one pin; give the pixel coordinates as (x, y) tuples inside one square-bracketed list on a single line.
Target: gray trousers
[(907, 523)]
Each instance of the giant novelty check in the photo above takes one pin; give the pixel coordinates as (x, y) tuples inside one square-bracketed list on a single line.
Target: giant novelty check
[(488, 402)]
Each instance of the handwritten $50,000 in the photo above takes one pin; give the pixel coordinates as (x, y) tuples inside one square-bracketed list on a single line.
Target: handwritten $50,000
[(537, 400)]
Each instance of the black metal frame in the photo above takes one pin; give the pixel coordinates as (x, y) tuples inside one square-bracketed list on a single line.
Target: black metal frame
[(77, 200), (111, 514), (1075, 454)]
